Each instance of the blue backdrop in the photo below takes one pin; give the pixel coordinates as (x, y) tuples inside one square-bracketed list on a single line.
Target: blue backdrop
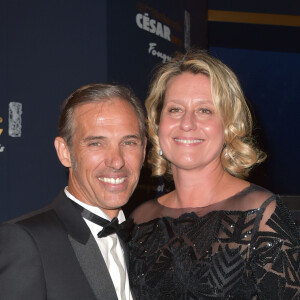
[(266, 59), (51, 48)]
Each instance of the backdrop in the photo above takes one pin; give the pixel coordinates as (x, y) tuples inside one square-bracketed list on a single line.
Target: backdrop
[(259, 40), (51, 48)]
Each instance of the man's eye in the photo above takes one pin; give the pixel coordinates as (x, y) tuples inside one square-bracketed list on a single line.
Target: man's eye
[(95, 144), (128, 143)]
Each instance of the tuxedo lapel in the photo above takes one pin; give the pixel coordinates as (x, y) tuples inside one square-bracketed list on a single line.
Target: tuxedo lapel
[(63, 276), (71, 218), (94, 268), (86, 250)]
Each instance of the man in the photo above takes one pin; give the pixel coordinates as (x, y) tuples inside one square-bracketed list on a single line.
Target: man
[(66, 252)]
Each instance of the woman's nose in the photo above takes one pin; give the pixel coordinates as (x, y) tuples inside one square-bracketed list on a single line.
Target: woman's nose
[(188, 121)]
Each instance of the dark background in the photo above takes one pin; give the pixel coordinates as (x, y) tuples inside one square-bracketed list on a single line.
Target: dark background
[(266, 59), (50, 48)]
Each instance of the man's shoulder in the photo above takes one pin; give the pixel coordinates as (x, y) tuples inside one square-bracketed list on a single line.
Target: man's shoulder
[(26, 230), (36, 228), (36, 214), (38, 217), (32, 222)]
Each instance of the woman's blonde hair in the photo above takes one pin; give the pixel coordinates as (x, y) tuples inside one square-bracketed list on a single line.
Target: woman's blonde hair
[(240, 153)]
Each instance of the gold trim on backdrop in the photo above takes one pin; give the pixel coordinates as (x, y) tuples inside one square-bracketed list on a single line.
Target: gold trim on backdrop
[(253, 18)]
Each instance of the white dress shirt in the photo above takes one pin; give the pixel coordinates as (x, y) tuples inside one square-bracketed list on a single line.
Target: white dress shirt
[(110, 248)]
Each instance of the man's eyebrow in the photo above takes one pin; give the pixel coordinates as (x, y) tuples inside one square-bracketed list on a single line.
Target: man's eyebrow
[(132, 136), (102, 138), (93, 138)]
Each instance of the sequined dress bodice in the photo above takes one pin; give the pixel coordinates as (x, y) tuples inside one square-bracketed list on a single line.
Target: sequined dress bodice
[(245, 247)]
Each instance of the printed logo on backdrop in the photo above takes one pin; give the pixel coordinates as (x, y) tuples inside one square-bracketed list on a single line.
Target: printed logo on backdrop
[(157, 23), (153, 26), (14, 121), (162, 26), (155, 52)]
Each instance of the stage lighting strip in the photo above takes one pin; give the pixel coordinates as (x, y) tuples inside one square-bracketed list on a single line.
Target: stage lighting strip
[(253, 18)]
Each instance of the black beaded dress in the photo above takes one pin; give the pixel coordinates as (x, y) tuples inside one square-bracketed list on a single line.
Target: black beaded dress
[(244, 247)]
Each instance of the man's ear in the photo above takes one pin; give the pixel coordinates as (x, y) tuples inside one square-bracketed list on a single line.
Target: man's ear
[(63, 151)]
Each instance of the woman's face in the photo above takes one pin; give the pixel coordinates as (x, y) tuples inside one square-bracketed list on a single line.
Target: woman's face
[(191, 134)]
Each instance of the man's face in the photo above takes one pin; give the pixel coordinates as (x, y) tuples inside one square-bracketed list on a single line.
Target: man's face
[(107, 154)]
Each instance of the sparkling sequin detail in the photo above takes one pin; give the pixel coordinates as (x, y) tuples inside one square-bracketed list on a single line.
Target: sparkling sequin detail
[(221, 254)]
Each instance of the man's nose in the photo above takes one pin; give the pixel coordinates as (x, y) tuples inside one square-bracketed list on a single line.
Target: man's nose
[(114, 158)]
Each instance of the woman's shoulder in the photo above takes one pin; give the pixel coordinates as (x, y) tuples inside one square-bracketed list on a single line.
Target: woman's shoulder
[(274, 216), (252, 197)]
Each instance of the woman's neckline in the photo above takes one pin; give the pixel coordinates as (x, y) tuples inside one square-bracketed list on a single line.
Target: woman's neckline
[(243, 191)]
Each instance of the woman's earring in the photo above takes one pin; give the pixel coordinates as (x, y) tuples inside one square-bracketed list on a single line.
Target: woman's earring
[(160, 152), (225, 154)]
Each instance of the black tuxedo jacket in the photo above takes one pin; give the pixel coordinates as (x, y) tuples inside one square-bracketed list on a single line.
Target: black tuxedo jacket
[(52, 255)]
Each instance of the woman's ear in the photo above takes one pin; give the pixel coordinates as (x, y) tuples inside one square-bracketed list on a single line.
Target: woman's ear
[(63, 151)]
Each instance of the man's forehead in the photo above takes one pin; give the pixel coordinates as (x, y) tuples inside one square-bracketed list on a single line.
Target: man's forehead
[(88, 107), (107, 114), (114, 105)]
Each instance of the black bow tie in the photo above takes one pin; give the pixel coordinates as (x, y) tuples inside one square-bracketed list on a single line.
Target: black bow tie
[(109, 227)]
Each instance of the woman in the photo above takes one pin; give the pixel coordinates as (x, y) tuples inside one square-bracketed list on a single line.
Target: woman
[(215, 236)]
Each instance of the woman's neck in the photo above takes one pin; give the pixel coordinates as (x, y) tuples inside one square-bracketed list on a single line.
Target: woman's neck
[(202, 186)]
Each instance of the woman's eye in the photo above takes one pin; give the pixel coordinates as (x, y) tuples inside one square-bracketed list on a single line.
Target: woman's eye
[(174, 110)]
